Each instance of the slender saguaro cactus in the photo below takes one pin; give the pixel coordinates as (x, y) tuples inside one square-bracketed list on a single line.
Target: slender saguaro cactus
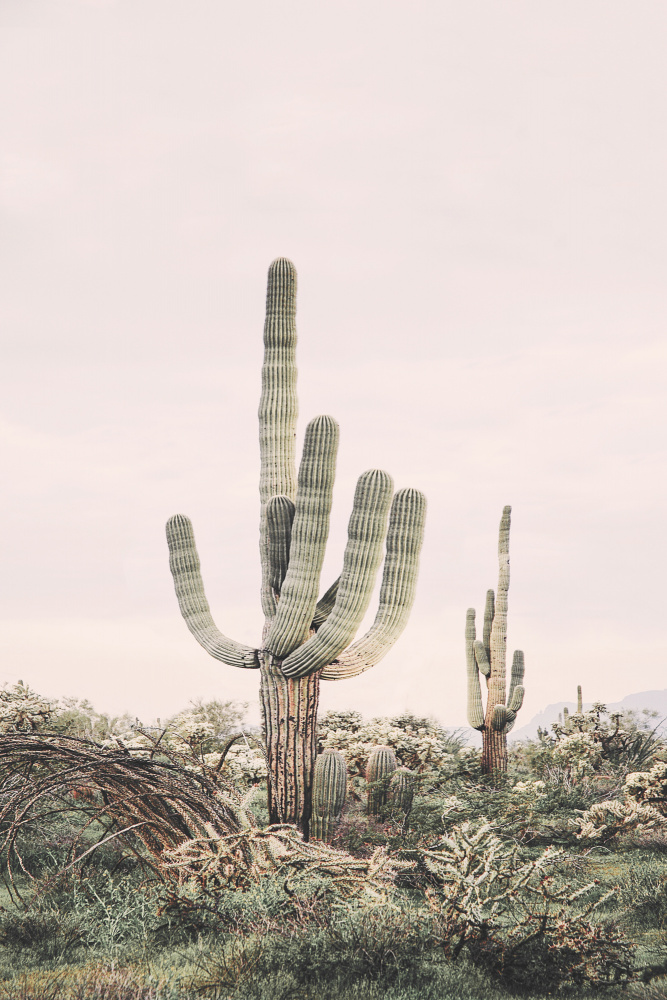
[(305, 640), (488, 658)]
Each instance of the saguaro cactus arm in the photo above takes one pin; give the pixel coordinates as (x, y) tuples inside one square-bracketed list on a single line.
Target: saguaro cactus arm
[(475, 707), (310, 530), (277, 407), (279, 517), (399, 582), (184, 565), (366, 532)]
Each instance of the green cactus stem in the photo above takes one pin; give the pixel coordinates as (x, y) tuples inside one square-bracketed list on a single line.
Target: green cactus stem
[(381, 765), (401, 790), (580, 703), (305, 639), (487, 657), (329, 794)]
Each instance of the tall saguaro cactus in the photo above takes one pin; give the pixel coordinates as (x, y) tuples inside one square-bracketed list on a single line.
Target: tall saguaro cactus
[(487, 656), (305, 639)]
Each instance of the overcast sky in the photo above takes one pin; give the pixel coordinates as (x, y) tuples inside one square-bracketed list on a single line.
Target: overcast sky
[(474, 196)]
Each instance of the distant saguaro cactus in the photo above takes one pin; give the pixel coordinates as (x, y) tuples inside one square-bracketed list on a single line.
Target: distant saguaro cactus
[(305, 639), (488, 658), (329, 794)]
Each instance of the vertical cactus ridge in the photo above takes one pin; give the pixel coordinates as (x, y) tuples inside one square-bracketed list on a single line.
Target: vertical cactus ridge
[(580, 703), (310, 530), (279, 517), (278, 406), (405, 535), (381, 765), (324, 606), (329, 794), (475, 707), (365, 535), (185, 568)]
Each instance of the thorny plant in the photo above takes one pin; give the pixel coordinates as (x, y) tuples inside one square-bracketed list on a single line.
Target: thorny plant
[(489, 897)]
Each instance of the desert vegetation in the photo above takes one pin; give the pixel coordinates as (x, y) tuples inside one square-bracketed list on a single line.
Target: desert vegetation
[(141, 862)]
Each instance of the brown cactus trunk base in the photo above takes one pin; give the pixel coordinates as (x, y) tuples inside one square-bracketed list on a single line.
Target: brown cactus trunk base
[(494, 751), (289, 708)]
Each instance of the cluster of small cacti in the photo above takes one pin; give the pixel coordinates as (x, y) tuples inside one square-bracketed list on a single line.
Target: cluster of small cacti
[(487, 656), (389, 789), (305, 639)]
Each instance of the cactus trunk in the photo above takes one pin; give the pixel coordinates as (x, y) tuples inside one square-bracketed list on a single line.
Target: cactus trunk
[(289, 710)]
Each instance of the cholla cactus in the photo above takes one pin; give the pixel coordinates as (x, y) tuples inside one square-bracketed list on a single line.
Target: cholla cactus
[(305, 639), (22, 709), (488, 657), (329, 793)]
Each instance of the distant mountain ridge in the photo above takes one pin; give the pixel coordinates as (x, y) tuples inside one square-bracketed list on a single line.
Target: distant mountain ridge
[(654, 701)]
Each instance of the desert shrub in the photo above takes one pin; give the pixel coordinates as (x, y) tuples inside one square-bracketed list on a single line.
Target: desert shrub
[(517, 915)]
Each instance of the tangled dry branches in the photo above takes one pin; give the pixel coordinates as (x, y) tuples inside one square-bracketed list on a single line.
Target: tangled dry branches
[(159, 801)]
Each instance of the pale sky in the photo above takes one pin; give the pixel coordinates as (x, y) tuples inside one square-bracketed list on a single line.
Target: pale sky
[(474, 196)]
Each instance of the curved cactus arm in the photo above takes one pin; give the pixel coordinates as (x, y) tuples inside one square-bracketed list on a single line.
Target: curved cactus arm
[(481, 658), (489, 611), (516, 676), (277, 407), (324, 606), (516, 699), (310, 529), (279, 517), (184, 565), (365, 535), (397, 593), (475, 707)]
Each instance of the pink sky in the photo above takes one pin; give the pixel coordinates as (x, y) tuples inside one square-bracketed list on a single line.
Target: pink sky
[(474, 197)]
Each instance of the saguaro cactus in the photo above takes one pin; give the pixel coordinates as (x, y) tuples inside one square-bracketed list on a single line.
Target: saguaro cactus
[(402, 790), (488, 658), (329, 794), (305, 639), (381, 765)]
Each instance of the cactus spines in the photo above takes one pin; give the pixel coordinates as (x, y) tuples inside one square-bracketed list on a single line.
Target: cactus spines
[(329, 793), (381, 765), (488, 659), (303, 638), (401, 790)]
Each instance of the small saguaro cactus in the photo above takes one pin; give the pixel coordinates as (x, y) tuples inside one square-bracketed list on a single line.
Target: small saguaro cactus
[(580, 703), (488, 658), (329, 794), (381, 765), (402, 790), (305, 640)]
